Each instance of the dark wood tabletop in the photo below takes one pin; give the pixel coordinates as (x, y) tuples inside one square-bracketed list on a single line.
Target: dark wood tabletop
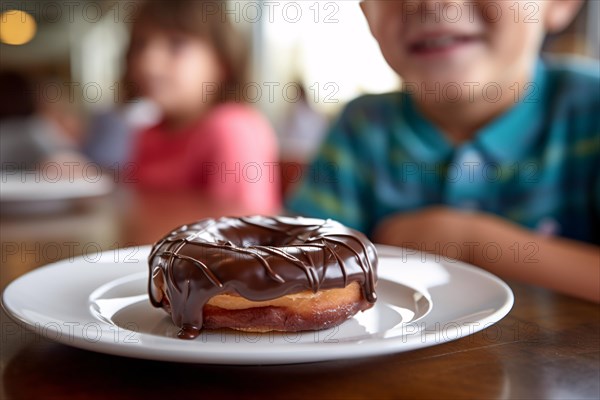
[(547, 347)]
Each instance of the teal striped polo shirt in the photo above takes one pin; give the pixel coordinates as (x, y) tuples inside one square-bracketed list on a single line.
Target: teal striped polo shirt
[(538, 164)]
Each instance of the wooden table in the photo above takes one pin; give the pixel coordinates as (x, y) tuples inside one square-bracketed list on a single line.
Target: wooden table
[(547, 347)]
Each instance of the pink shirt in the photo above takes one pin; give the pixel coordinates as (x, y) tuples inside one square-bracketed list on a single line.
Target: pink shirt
[(230, 154)]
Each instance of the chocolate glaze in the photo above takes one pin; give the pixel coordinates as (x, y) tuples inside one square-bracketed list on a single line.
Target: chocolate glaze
[(259, 258)]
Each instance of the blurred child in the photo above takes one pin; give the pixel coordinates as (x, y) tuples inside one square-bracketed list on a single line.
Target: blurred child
[(191, 63), (489, 155), (36, 132)]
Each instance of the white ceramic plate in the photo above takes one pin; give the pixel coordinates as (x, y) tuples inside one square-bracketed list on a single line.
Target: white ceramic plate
[(99, 302), (36, 187)]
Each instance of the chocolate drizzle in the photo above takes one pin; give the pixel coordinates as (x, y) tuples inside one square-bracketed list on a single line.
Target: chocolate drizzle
[(259, 258)]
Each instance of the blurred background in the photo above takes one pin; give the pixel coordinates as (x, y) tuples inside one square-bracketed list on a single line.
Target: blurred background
[(73, 53), (73, 57), (64, 93)]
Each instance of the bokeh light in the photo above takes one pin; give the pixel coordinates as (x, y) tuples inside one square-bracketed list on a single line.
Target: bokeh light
[(16, 27)]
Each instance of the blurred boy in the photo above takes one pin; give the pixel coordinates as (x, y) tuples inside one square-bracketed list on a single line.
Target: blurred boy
[(487, 155)]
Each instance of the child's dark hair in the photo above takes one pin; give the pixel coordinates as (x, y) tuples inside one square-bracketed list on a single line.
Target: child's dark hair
[(206, 20)]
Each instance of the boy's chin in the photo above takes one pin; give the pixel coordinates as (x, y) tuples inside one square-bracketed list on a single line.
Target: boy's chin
[(446, 79), (446, 71), (444, 83)]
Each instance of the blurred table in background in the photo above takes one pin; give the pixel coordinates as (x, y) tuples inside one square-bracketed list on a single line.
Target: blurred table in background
[(547, 347)]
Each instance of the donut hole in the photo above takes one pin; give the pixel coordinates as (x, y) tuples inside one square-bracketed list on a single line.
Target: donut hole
[(267, 238)]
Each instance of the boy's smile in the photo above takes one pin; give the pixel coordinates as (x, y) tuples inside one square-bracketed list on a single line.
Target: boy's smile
[(437, 43)]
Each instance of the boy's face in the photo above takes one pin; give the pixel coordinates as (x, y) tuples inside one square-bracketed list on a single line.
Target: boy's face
[(466, 42)]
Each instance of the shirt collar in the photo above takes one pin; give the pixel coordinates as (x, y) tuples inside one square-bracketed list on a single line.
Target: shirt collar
[(426, 142), (507, 138)]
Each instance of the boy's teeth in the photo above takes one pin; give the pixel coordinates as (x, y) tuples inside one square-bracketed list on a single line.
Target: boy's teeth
[(439, 42)]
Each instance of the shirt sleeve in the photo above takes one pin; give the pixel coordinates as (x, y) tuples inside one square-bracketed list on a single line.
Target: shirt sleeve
[(334, 184)]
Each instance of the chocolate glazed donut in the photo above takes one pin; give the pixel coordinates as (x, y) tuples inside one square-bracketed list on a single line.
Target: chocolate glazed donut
[(259, 259)]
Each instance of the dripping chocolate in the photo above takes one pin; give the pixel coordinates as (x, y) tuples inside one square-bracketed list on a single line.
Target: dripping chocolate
[(258, 258)]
